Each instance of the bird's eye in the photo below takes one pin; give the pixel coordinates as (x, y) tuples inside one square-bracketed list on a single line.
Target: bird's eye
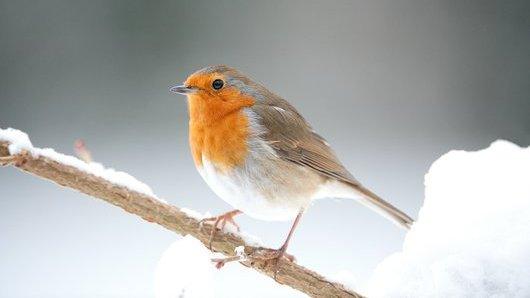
[(217, 84)]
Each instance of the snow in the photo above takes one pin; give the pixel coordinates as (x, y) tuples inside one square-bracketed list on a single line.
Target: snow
[(195, 214), (472, 236), (248, 238), (97, 169), (240, 251), (344, 277), (185, 270), (19, 141)]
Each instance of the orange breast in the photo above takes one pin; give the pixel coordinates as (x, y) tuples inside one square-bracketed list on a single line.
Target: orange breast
[(218, 132)]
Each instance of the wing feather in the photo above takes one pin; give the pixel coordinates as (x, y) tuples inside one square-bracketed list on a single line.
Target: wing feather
[(294, 140)]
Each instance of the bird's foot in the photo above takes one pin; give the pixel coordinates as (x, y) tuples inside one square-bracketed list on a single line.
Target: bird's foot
[(273, 257), (270, 257), (219, 263), (219, 223)]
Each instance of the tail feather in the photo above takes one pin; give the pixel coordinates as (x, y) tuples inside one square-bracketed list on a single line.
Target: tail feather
[(354, 190), (381, 206)]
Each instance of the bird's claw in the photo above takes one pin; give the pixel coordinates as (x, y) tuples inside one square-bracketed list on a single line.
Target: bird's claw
[(219, 263), (222, 220), (273, 257), (219, 223)]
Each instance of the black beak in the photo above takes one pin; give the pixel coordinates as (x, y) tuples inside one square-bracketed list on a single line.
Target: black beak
[(182, 89)]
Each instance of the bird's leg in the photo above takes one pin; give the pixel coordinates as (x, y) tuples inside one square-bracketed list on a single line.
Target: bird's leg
[(219, 263), (274, 255), (222, 220)]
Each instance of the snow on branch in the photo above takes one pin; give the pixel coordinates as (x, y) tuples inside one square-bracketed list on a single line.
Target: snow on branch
[(126, 192)]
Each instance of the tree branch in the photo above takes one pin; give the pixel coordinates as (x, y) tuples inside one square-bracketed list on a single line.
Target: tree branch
[(172, 218)]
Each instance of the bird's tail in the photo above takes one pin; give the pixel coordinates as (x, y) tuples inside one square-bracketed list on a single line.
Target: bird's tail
[(374, 202)]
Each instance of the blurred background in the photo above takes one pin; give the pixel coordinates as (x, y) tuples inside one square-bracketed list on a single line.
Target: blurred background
[(391, 84)]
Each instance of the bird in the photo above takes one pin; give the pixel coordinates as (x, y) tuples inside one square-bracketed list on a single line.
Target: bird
[(261, 156)]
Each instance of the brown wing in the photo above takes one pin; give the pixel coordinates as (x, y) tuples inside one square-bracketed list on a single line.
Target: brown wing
[(294, 139)]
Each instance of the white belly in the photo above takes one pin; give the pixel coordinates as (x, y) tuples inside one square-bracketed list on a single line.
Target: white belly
[(241, 192)]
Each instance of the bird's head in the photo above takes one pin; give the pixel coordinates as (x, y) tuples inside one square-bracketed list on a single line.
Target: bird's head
[(216, 91)]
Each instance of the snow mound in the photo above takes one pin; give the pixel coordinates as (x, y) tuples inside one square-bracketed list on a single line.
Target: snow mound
[(185, 270), (472, 237)]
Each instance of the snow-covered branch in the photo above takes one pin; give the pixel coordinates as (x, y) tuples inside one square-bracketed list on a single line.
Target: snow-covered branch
[(124, 191)]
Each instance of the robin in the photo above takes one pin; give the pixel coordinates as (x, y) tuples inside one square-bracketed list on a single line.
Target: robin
[(258, 153)]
